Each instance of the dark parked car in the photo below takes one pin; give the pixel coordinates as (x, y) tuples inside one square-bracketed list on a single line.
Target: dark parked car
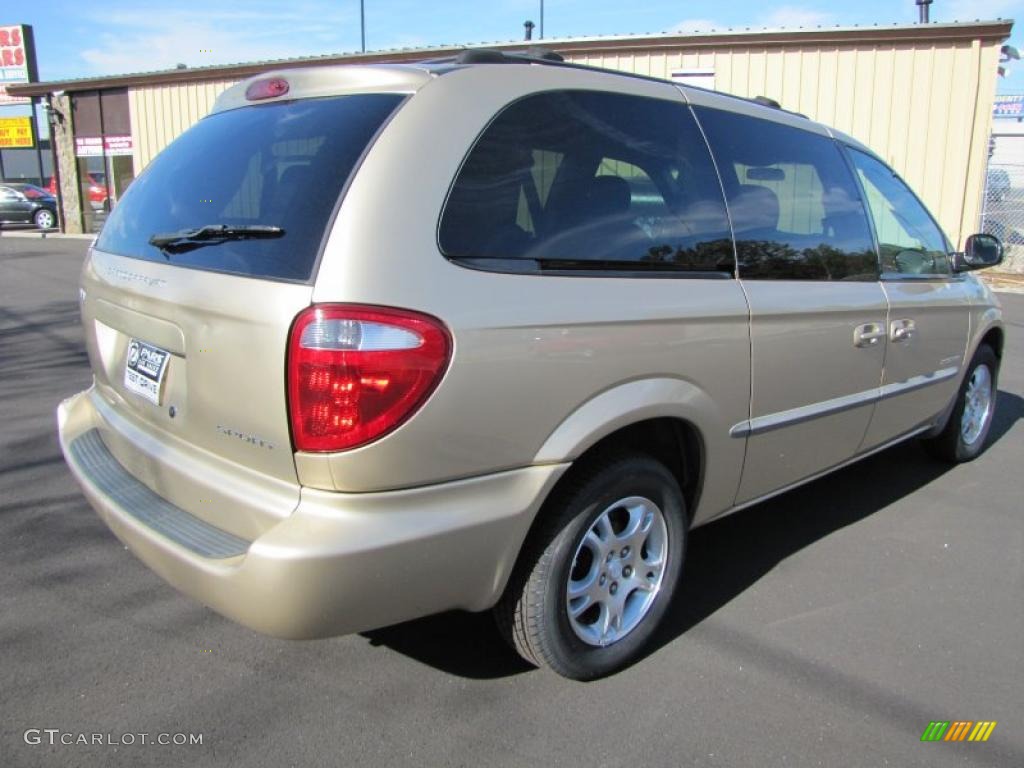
[(31, 191), (19, 205)]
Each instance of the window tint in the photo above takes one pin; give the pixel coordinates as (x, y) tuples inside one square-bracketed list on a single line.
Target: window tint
[(796, 211), (589, 180), (280, 164), (909, 242)]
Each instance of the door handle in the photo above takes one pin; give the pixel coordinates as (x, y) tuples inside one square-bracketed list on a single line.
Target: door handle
[(868, 335), (902, 330)]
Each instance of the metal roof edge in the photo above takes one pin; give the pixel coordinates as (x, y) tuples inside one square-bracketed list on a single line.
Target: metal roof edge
[(995, 30)]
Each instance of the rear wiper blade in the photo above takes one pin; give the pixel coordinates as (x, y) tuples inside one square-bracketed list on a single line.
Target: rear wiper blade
[(211, 234)]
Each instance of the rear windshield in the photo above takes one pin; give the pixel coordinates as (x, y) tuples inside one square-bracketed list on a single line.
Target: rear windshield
[(277, 165)]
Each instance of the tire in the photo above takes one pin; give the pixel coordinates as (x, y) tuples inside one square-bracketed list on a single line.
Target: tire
[(587, 521), (963, 438), (44, 219)]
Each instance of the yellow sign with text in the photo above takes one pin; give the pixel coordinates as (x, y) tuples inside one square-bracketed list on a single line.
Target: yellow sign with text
[(16, 132)]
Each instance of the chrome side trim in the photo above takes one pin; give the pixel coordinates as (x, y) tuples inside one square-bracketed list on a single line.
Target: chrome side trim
[(916, 382), (772, 421), (811, 478)]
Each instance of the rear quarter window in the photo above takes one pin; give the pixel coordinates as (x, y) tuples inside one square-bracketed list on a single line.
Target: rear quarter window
[(282, 164), (589, 181)]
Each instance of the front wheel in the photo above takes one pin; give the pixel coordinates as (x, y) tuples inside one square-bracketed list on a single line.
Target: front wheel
[(964, 436), (44, 219), (598, 573)]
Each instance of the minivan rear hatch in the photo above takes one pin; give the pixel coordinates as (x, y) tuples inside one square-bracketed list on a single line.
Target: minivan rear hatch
[(191, 289)]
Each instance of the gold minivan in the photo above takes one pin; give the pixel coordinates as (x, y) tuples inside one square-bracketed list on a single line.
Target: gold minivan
[(497, 331)]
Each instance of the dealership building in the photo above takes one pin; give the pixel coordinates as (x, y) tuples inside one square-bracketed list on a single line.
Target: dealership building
[(920, 95)]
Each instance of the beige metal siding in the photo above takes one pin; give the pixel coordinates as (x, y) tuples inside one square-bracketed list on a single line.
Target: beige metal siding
[(924, 107), (161, 113)]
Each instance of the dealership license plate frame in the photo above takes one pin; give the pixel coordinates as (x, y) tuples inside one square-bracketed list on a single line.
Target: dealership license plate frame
[(145, 367)]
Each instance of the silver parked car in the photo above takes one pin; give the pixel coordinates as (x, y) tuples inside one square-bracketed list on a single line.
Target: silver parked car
[(537, 322)]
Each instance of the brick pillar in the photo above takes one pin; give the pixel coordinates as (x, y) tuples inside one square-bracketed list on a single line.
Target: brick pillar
[(70, 187)]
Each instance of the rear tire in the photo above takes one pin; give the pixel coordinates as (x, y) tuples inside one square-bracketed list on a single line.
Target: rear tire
[(966, 432), (598, 573)]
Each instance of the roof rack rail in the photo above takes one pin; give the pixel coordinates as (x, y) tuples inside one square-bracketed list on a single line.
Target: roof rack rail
[(765, 101), (480, 56), (532, 55), (540, 52), (536, 54)]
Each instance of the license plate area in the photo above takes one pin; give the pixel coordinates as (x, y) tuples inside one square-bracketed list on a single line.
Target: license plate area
[(144, 369)]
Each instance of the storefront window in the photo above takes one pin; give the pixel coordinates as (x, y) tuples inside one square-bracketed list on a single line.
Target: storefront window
[(103, 146)]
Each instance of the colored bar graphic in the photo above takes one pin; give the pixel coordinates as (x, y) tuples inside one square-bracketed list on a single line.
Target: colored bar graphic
[(958, 730), (935, 730), (982, 730)]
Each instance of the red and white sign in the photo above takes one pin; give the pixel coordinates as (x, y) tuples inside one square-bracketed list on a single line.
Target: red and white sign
[(118, 145), (108, 145), (14, 62)]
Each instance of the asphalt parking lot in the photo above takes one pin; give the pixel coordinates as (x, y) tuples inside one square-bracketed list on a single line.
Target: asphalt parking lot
[(825, 627)]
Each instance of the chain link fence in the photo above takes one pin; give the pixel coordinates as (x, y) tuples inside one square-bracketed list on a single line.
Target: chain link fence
[(1002, 210)]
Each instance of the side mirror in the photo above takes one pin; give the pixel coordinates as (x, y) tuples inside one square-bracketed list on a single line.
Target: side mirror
[(980, 251)]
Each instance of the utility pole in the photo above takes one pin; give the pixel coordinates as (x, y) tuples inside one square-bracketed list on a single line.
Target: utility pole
[(362, 24), (541, 19)]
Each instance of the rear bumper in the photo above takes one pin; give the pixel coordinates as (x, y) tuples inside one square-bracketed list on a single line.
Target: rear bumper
[(339, 563)]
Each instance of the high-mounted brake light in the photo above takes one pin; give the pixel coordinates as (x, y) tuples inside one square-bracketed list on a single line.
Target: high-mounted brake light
[(267, 88), (356, 373)]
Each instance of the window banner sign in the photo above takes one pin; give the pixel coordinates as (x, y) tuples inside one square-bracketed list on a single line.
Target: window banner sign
[(16, 132), (92, 147), (17, 61), (111, 146), (117, 145), (1008, 105)]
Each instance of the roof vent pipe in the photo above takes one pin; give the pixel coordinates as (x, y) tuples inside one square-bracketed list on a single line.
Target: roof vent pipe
[(922, 9)]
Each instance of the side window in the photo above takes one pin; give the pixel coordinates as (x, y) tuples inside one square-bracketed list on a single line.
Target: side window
[(798, 189), (589, 180), (796, 210), (909, 242)]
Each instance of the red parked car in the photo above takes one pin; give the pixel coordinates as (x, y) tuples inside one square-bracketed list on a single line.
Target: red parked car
[(96, 185)]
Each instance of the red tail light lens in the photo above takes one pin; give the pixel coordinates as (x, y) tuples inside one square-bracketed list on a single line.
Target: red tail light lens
[(356, 373)]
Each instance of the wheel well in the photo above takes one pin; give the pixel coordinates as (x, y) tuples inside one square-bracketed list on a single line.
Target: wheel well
[(994, 338), (675, 443)]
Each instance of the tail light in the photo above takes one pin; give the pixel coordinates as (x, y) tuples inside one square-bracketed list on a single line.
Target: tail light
[(356, 373)]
